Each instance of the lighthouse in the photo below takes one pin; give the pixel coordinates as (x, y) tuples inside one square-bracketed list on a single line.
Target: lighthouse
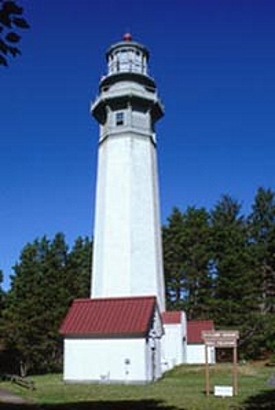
[(127, 257), (116, 334)]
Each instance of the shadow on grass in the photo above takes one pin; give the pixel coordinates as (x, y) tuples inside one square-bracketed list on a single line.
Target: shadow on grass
[(261, 401), (93, 405)]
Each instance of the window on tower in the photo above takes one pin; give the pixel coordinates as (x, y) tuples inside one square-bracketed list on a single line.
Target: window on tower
[(119, 118)]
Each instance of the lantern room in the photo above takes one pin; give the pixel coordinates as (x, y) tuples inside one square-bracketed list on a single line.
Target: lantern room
[(127, 56)]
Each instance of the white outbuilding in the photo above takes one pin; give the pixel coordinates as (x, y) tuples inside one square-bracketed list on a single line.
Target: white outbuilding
[(195, 353), (173, 343), (112, 340)]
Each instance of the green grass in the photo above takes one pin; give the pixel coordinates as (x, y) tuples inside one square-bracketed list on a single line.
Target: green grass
[(182, 388)]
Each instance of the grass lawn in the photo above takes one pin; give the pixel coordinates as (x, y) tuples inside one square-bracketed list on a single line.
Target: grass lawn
[(182, 388)]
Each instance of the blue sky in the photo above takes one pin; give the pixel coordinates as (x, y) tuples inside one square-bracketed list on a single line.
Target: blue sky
[(214, 64)]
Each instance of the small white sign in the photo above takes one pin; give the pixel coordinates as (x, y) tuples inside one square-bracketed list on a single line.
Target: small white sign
[(223, 391)]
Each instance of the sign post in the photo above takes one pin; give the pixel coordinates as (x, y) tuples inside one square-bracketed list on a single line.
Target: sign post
[(235, 371), (224, 339), (207, 377)]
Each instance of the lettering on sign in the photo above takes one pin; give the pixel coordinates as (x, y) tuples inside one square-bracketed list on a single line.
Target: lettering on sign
[(223, 391), (222, 338)]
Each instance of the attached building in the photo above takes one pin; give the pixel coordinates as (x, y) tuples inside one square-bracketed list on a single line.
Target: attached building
[(173, 343), (115, 340)]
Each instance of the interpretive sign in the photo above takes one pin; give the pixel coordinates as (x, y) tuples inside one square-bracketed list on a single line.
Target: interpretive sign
[(221, 339)]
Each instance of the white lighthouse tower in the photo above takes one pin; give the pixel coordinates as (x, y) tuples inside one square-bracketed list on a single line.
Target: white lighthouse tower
[(117, 335), (127, 258)]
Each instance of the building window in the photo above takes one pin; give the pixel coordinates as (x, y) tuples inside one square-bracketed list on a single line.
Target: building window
[(119, 118)]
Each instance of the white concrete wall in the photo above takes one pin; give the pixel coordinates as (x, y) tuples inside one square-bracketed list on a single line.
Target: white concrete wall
[(172, 346), (127, 259), (107, 360), (196, 354)]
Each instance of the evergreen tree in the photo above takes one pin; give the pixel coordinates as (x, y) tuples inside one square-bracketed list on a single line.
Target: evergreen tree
[(262, 236), (24, 327), (235, 288), (198, 284), (2, 293), (236, 283), (55, 300), (2, 304), (41, 291), (78, 269), (173, 256), (186, 242), (262, 242)]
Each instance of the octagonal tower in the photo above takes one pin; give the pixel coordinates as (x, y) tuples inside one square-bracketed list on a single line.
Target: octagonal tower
[(127, 257)]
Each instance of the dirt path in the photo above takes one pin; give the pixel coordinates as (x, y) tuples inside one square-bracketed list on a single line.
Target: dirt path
[(8, 397)]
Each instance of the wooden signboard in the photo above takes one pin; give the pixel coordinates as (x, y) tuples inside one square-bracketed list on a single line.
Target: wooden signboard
[(221, 339)]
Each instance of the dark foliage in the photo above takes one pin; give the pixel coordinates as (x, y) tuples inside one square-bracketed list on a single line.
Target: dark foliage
[(221, 265), (10, 21), (47, 278)]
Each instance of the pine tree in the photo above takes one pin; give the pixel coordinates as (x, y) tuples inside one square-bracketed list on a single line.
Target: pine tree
[(55, 300), (262, 235), (236, 284), (2, 293), (186, 260), (79, 269), (24, 327), (173, 256), (2, 304), (262, 242), (47, 278), (198, 286)]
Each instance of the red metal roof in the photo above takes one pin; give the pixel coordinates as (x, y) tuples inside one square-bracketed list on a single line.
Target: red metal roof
[(195, 327), (171, 317), (109, 316)]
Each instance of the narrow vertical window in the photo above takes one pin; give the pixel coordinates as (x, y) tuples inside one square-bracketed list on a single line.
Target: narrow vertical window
[(119, 118)]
